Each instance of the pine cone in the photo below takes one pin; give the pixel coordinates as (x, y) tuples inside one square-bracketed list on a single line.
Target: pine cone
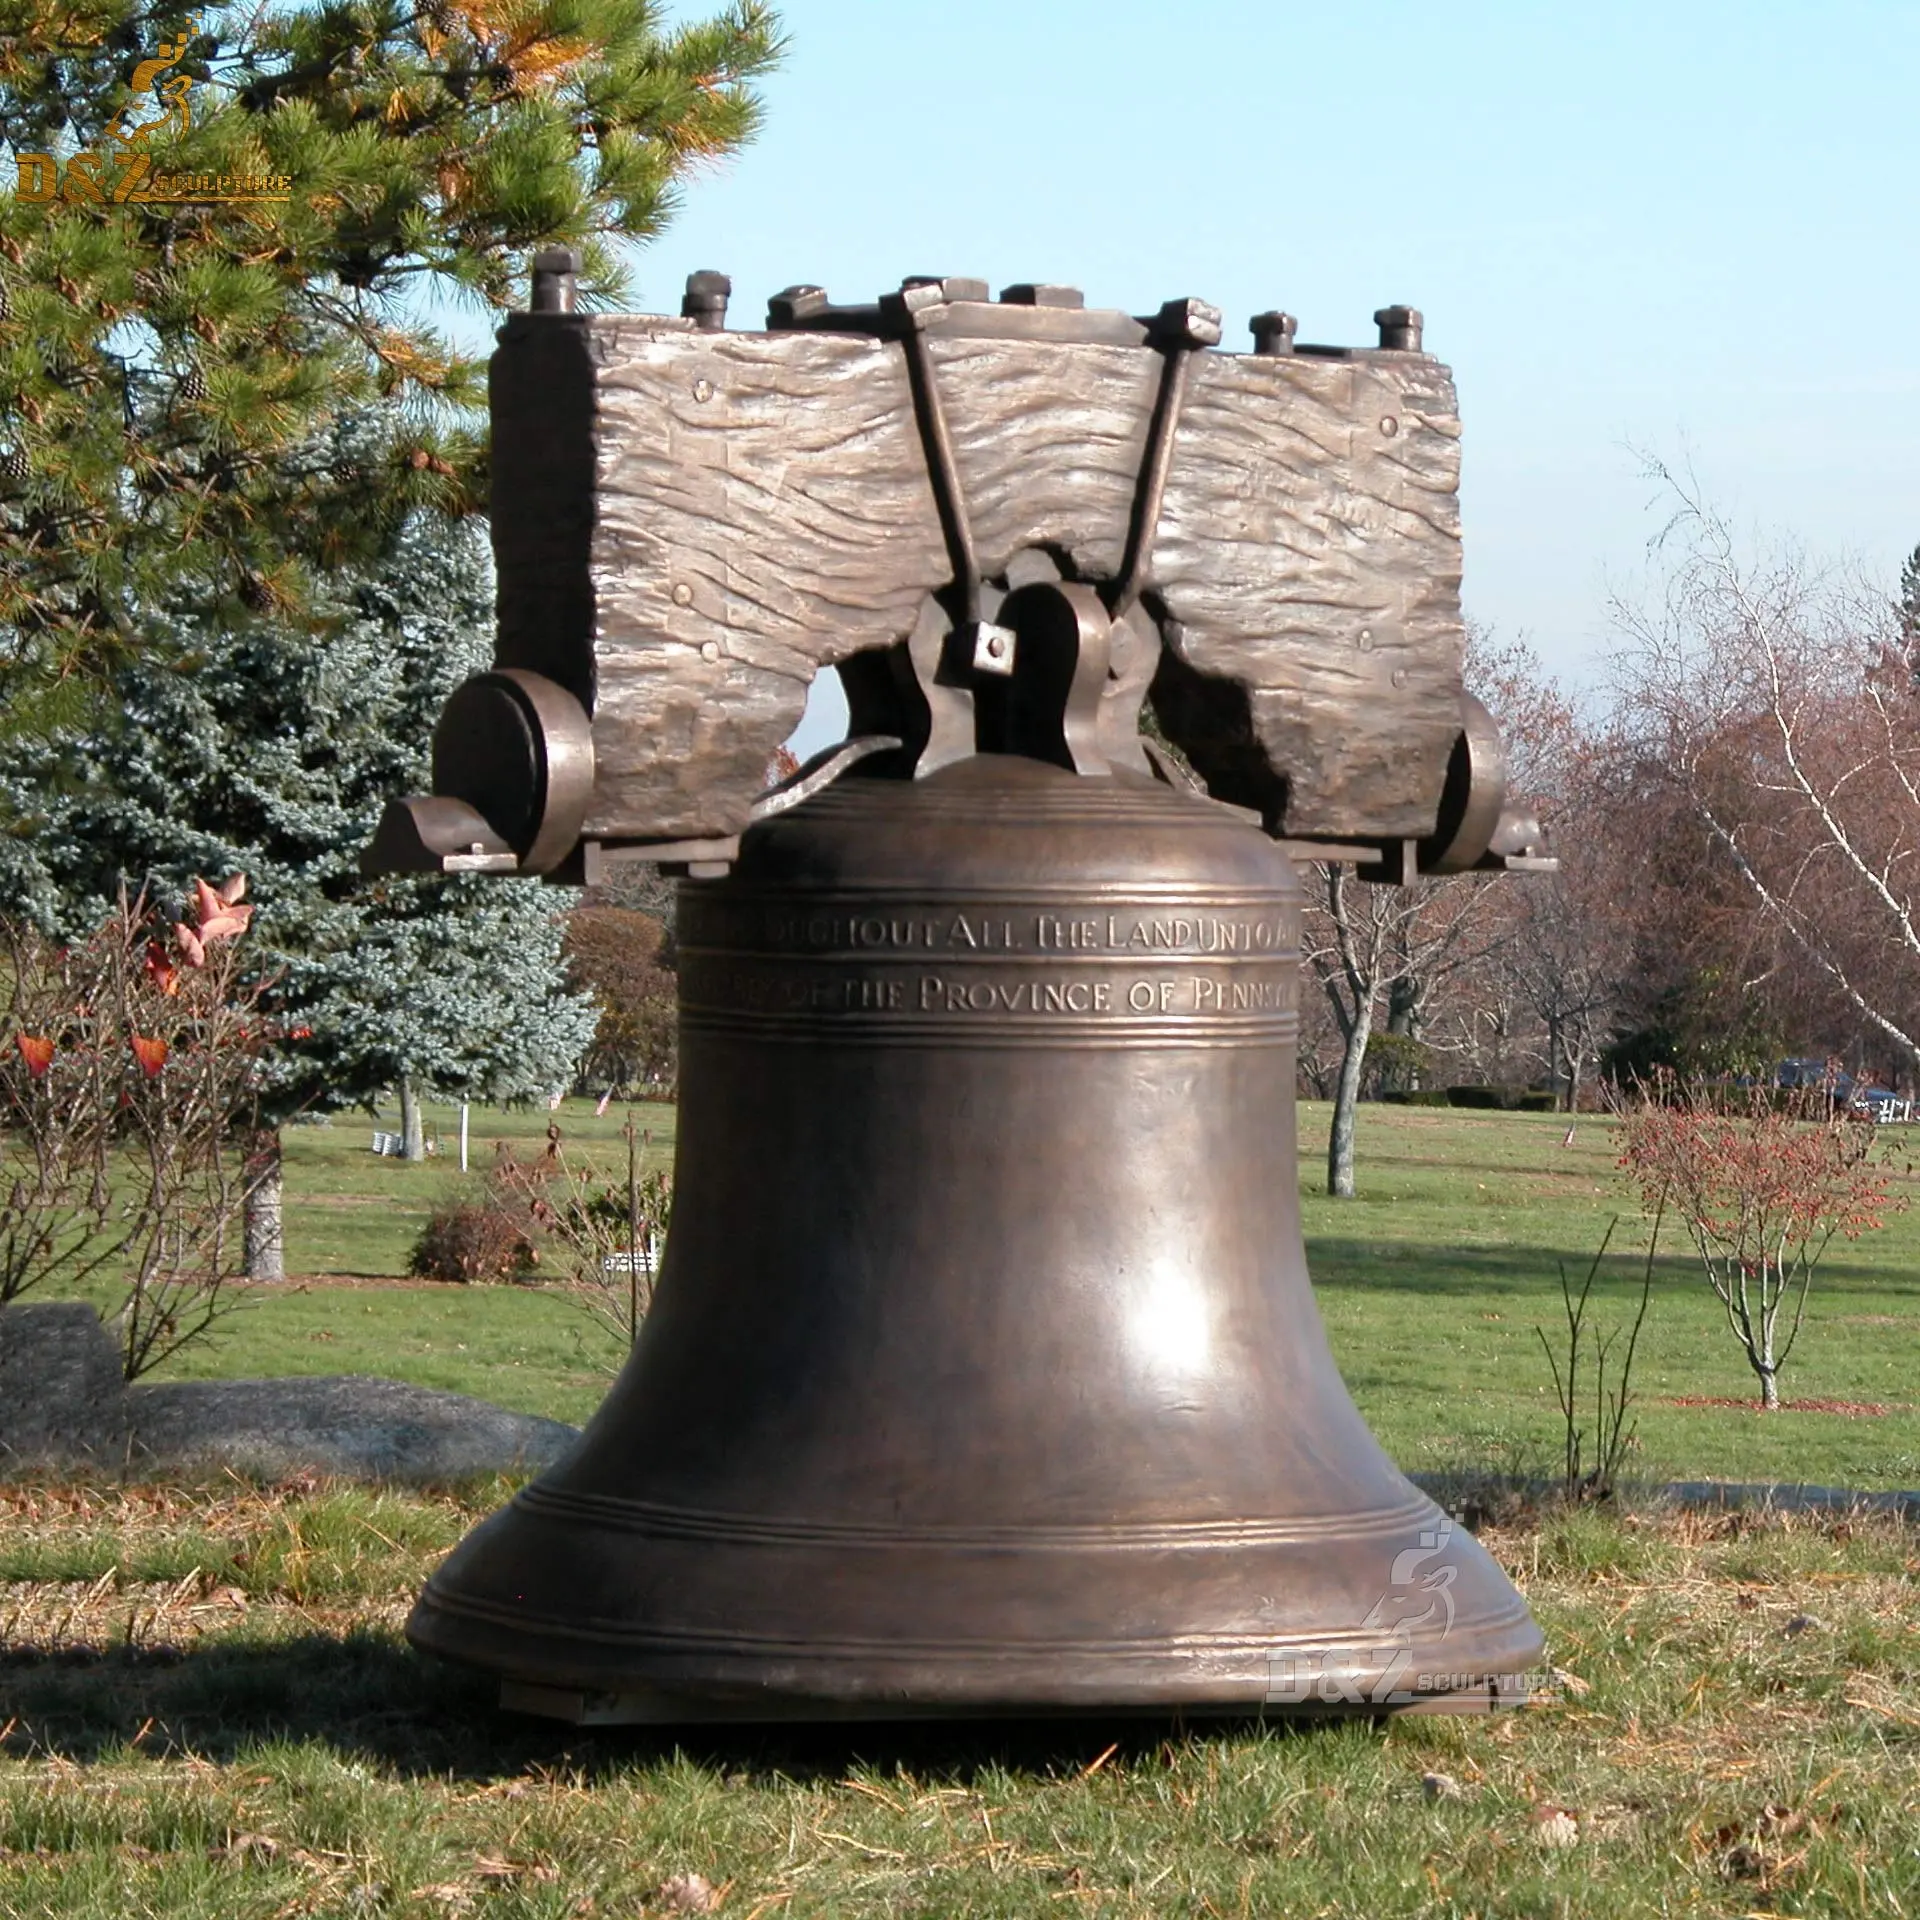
[(14, 464), (193, 383), (6, 301)]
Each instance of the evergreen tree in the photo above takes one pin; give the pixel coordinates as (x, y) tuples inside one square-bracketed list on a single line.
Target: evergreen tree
[(171, 358), (1909, 603), (270, 750)]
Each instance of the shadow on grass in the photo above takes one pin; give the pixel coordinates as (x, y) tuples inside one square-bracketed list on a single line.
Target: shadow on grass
[(1414, 1267), (367, 1699)]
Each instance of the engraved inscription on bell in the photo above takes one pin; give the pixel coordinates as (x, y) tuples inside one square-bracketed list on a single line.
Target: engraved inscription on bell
[(1138, 962), (1014, 958)]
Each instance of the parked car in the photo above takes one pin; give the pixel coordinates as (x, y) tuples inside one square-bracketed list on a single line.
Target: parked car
[(1816, 1075), (1880, 1103)]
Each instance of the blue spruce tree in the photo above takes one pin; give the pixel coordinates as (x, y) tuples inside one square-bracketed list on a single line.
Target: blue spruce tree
[(270, 751)]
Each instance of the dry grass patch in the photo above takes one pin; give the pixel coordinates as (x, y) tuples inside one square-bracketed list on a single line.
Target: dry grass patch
[(207, 1710)]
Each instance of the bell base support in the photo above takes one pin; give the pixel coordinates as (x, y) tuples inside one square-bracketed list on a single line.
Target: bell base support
[(660, 1708)]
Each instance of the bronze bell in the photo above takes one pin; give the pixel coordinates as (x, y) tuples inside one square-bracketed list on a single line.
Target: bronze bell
[(983, 1374)]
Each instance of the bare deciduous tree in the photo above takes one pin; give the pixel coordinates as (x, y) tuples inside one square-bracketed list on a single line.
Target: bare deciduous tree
[(1360, 942), (1782, 703), (1762, 1188)]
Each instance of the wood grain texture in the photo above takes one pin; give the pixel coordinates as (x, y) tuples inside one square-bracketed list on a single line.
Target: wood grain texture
[(1047, 439), (1308, 555), (764, 511), (689, 525), (692, 524)]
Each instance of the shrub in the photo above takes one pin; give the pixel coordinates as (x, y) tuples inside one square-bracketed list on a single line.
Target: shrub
[(1394, 1060), (130, 1067), (1474, 1097), (1416, 1097), (1503, 1099), (1763, 1192), (472, 1242), (604, 1230)]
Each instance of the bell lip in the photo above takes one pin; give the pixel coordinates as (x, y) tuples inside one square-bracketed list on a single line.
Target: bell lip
[(1230, 1675), (742, 1667), (662, 1708)]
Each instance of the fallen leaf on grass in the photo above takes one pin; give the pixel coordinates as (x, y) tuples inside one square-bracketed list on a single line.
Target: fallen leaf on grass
[(688, 1893), (445, 1893), (248, 1846), (490, 1868), (1572, 1683), (1441, 1786), (1609, 1823), (1555, 1826)]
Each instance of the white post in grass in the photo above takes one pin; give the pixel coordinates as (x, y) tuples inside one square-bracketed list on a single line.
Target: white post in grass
[(463, 1136)]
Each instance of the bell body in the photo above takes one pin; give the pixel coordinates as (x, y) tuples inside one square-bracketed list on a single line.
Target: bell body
[(983, 1373)]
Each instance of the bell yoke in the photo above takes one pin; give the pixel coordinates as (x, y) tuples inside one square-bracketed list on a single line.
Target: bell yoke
[(984, 1373)]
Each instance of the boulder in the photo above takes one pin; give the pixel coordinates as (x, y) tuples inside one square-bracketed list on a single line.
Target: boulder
[(350, 1426), (62, 1400), (63, 1404)]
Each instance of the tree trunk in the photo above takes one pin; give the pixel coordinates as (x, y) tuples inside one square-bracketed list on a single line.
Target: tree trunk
[(413, 1138), (1346, 1099), (1403, 1007), (1404, 1018), (266, 1241), (1767, 1367)]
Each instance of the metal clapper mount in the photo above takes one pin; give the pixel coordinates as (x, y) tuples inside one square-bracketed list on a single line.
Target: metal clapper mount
[(1034, 663)]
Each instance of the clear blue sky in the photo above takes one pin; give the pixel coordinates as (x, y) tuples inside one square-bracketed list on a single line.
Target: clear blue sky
[(1689, 228)]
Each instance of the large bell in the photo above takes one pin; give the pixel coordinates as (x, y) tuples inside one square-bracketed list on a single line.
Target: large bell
[(984, 1374)]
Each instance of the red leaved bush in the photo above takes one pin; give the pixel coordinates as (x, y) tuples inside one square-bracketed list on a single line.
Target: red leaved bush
[(127, 1097), (1763, 1184)]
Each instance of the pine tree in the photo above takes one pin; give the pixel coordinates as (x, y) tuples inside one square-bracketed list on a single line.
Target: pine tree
[(270, 750), (1909, 602), (170, 363)]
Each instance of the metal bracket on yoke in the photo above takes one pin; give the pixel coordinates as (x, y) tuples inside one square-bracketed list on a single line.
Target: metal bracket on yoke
[(967, 641)]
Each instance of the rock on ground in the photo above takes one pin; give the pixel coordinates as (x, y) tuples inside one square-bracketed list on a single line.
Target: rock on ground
[(61, 1395), (64, 1404), (351, 1426)]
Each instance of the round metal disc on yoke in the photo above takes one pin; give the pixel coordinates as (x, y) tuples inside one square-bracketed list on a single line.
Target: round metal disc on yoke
[(518, 749), (1475, 792)]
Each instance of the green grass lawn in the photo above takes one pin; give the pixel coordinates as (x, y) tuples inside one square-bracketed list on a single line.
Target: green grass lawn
[(206, 1710), (355, 1213), (1431, 1282)]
